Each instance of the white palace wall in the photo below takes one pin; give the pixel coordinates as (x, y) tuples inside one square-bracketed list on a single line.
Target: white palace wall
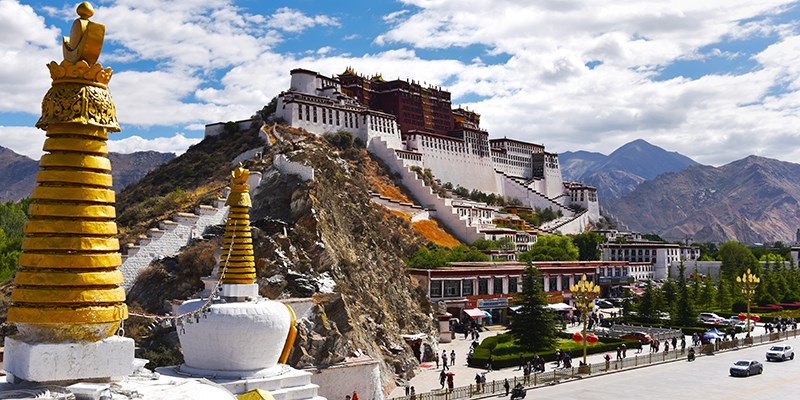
[(425, 196)]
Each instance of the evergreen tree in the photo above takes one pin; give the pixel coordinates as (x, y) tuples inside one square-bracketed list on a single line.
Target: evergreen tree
[(684, 310), (696, 285), (707, 294), (737, 258), (670, 295), (724, 299), (588, 245), (533, 325), (792, 283), (649, 302)]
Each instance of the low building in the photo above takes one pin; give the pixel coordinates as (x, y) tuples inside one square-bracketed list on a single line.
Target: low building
[(660, 255), (493, 286)]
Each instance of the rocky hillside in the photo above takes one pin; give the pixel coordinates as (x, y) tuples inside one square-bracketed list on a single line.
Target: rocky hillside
[(18, 172), (623, 170), (753, 200), (323, 238)]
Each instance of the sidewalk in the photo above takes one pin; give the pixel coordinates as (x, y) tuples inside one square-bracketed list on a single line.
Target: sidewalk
[(428, 377)]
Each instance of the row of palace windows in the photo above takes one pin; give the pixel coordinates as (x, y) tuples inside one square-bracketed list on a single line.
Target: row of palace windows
[(472, 287)]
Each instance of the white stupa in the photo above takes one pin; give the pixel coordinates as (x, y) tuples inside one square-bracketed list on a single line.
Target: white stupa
[(238, 339)]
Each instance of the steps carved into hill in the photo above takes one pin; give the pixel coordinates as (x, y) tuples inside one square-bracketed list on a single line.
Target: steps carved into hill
[(169, 237)]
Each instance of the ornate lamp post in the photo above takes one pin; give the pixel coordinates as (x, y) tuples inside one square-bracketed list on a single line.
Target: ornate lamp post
[(748, 283), (584, 293)]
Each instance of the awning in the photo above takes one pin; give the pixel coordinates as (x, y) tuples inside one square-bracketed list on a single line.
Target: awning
[(561, 307), (514, 308), (487, 314), (475, 313)]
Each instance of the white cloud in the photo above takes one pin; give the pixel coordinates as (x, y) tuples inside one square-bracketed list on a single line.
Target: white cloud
[(177, 144), (24, 140), (294, 21)]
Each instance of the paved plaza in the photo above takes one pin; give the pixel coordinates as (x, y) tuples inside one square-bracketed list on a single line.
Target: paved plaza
[(427, 379)]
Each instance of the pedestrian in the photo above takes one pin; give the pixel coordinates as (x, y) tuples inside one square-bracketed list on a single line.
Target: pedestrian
[(624, 350), (489, 363), (683, 343), (436, 358), (619, 353), (413, 394), (666, 347), (483, 381), (506, 386), (444, 360), (558, 358), (477, 380), (450, 384), (442, 377), (674, 342), (452, 357), (355, 395), (408, 389), (639, 345), (521, 362), (607, 357)]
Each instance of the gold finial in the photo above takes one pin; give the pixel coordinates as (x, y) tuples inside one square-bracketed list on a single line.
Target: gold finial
[(85, 39), (85, 10), (239, 175)]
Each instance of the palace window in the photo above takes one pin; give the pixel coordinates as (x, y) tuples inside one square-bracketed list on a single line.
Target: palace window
[(436, 289), (466, 287), (564, 282), (324, 116), (315, 115), (308, 113), (498, 285), (337, 118), (553, 283), (452, 288), (513, 284), (300, 112), (483, 286)]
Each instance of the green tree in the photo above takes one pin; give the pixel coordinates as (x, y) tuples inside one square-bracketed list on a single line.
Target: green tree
[(707, 294), (737, 258), (649, 302), (684, 310), (588, 245), (427, 259), (724, 299), (669, 291), (533, 325), (551, 248)]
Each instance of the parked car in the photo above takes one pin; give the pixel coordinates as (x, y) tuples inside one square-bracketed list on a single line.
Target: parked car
[(782, 352), (742, 325), (734, 320), (710, 318), (603, 304), (645, 338), (746, 368)]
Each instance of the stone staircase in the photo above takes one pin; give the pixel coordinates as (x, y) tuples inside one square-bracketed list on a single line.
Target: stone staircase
[(424, 195), (169, 237)]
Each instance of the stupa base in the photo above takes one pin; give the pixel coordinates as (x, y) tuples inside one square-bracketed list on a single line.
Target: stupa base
[(282, 381), (107, 359)]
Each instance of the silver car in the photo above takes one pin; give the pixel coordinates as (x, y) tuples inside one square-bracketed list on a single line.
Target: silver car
[(746, 368), (782, 353)]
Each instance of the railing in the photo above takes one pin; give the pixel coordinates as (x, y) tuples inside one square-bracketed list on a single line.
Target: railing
[(563, 374)]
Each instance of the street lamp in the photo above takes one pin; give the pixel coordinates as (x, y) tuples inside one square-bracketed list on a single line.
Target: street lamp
[(748, 283), (584, 293)]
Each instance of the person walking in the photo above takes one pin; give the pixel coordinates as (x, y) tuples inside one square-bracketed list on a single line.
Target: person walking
[(619, 353), (639, 346), (442, 377), (683, 343), (624, 350), (453, 358), (450, 384), (489, 363), (355, 395), (444, 360), (436, 358), (506, 386)]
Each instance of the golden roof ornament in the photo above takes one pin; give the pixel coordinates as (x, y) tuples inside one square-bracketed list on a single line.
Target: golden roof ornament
[(67, 285)]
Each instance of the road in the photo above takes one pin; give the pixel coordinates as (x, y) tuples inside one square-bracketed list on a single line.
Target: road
[(705, 378)]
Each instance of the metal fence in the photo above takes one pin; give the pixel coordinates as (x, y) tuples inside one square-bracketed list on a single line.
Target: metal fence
[(563, 374)]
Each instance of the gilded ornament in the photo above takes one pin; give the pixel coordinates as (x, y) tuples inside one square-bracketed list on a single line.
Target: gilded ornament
[(67, 285)]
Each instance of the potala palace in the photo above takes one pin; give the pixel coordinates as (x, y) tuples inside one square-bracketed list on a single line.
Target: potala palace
[(407, 124)]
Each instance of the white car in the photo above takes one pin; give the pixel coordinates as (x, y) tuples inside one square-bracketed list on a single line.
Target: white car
[(780, 352), (743, 325), (710, 318)]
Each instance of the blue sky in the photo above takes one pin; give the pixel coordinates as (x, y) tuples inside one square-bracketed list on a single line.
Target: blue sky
[(714, 80)]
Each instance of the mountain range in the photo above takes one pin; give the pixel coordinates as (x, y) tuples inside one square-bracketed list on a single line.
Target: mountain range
[(18, 172), (620, 172), (752, 200)]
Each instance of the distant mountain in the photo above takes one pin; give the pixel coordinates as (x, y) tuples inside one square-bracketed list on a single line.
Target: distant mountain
[(18, 172), (17, 175), (623, 170), (753, 200)]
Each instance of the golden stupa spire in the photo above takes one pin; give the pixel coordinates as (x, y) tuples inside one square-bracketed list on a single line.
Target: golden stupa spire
[(67, 284), (237, 248)]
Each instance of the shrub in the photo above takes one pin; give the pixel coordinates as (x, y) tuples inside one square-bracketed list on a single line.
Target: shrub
[(340, 139), (505, 351)]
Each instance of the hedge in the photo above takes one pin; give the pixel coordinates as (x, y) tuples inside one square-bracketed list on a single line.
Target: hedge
[(505, 352)]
